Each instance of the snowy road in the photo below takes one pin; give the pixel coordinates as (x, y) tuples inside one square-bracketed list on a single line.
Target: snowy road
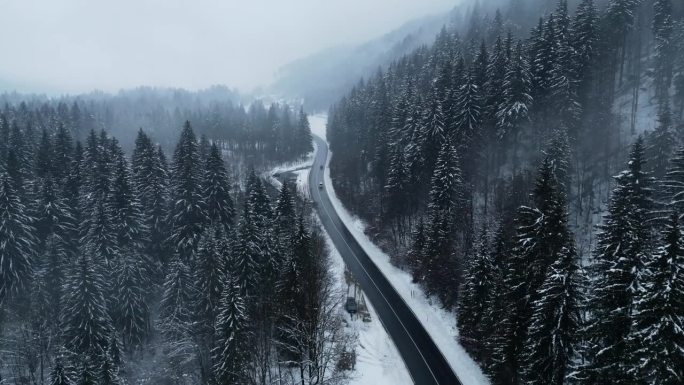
[(423, 359)]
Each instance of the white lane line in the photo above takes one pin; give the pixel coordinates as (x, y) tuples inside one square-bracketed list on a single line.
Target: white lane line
[(374, 284)]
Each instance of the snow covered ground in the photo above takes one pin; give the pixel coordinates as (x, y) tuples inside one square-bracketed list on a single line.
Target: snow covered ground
[(318, 123), (440, 324), (378, 361)]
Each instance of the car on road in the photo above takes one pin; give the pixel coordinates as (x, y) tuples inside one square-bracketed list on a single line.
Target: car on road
[(321, 167), (320, 186)]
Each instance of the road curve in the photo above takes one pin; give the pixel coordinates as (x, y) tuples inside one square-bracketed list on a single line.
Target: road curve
[(424, 361)]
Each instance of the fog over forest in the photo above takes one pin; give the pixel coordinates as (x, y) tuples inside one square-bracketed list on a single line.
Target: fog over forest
[(359, 192)]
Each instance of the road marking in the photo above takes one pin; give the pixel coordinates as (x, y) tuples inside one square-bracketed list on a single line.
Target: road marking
[(320, 197)]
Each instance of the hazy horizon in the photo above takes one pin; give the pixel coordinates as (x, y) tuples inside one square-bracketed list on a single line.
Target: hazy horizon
[(77, 46)]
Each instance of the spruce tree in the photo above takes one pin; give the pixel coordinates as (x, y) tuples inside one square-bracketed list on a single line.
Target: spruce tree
[(127, 213), (554, 332), (673, 182), (230, 356), (86, 323), (54, 217), (624, 241), (208, 274), (17, 242), (131, 312), (58, 375), (657, 334), (216, 191), (476, 297), (176, 303), (187, 214)]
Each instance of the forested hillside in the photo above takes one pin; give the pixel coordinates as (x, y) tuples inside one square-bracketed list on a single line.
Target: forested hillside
[(262, 133), (153, 269), (485, 162)]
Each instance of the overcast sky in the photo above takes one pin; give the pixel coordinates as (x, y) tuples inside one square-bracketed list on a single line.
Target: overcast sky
[(79, 45)]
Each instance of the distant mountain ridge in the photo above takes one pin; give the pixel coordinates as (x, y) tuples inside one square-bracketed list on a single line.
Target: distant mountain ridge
[(320, 79)]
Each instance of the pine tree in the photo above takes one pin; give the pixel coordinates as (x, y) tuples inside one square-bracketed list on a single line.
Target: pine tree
[(52, 276), (127, 213), (303, 138), (583, 39), (208, 272), (663, 29), (476, 298), (673, 182), (657, 334), (468, 112), (176, 302), (86, 323), (131, 312), (63, 153), (285, 223), (216, 191), (246, 252), (516, 100), (623, 242), (445, 200), (661, 141), (17, 243), (44, 156), (187, 215), (555, 326), (58, 375), (230, 356), (109, 373), (54, 217), (416, 260)]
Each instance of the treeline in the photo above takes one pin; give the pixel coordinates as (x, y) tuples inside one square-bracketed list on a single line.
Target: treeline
[(531, 313), (117, 269), (443, 142), (261, 133)]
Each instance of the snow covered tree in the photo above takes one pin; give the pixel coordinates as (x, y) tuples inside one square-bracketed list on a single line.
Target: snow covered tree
[(583, 39), (624, 242), (44, 156), (673, 182), (51, 277), (58, 375), (127, 213), (663, 31), (209, 269), (100, 240), (554, 331), (86, 324), (416, 260), (130, 309), (216, 190), (231, 354), (445, 200), (17, 242), (661, 141), (246, 252), (476, 297), (657, 334), (54, 217), (257, 199), (63, 153), (176, 303), (187, 214), (468, 113), (150, 178), (304, 143), (285, 223)]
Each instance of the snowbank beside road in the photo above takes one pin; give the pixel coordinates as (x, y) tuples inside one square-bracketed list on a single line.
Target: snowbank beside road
[(440, 324), (377, 359)]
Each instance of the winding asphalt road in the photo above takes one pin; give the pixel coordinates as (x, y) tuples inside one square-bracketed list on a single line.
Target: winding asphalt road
[(425, 362)]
